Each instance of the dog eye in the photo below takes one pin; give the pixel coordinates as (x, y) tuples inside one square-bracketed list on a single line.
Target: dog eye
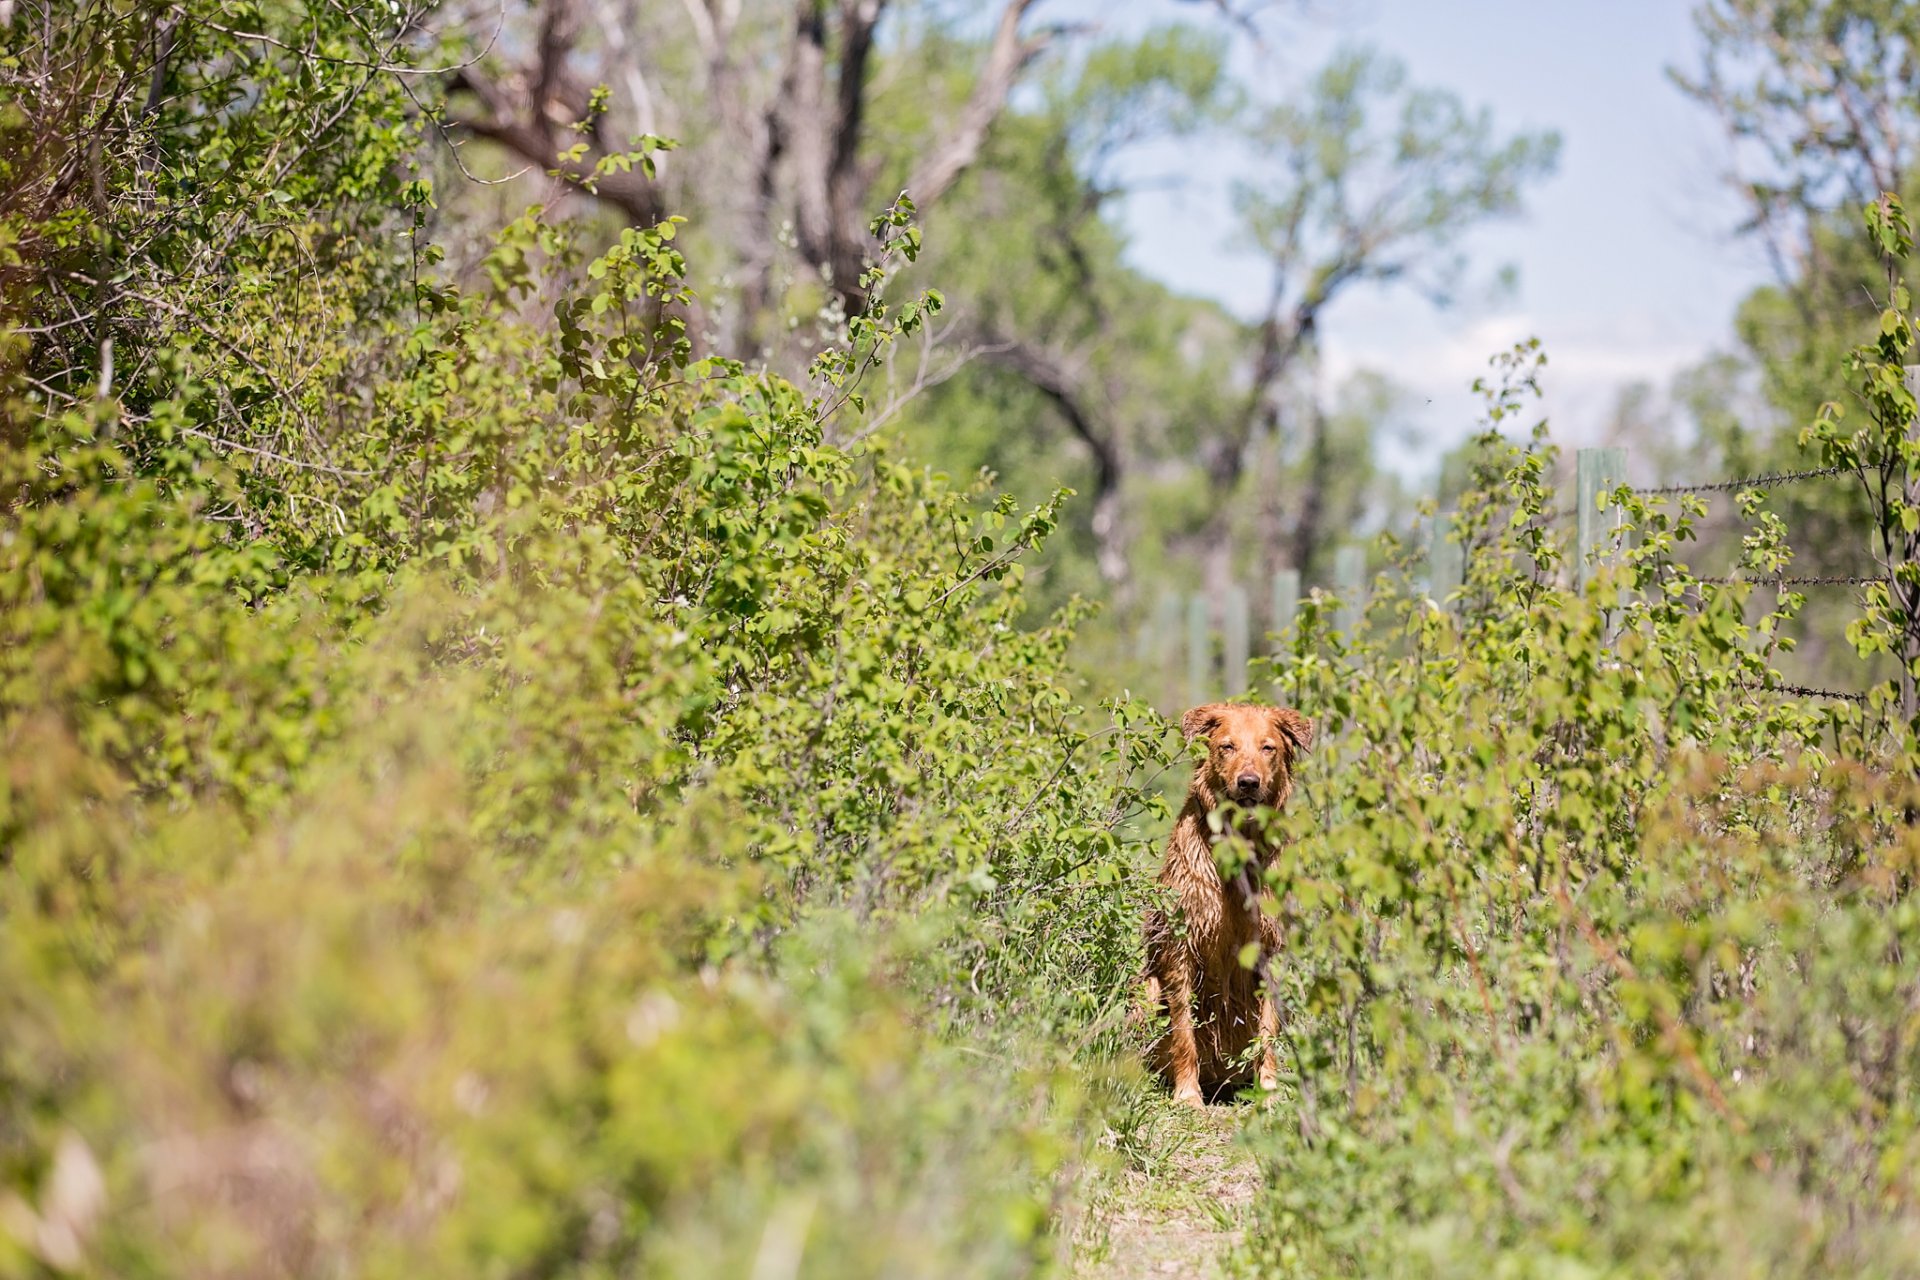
[(1226, 746), (1268, 748)]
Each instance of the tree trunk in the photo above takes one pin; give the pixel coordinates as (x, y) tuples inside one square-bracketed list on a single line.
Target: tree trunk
[(1049, 376), (1110, 543), (1281, 340), (803, 149), (1308, 530)]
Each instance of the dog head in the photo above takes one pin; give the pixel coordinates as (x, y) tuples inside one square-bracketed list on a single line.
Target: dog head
[(1250, 751)]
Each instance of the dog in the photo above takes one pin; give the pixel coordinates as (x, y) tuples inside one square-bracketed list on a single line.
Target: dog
[(1213, 1003)]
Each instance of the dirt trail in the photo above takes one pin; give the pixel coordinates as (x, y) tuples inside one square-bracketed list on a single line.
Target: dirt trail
[(1178, 1219)]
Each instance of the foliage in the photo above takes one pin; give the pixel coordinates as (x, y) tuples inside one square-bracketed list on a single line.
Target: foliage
[(484, 790), (1820, 116), (1882, 451), (1378, 180), (1818, 101), (1598, 951), (1366, 180)]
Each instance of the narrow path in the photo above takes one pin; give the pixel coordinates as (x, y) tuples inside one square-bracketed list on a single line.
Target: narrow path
[(1180, 1205)]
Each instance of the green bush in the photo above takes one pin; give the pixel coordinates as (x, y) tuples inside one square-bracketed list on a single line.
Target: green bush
[(1599, 955), (483, 790)]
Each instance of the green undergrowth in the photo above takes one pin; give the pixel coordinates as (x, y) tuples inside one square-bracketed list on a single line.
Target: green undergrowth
[(1599, 956), (485, 790), (686, 865)]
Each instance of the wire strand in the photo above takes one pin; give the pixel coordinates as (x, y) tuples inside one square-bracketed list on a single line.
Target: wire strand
[(1801, 691), (1835, 581), (1746, 482)]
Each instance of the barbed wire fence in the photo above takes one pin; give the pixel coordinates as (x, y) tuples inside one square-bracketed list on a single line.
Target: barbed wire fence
[(1219, 663), (1598, 471)]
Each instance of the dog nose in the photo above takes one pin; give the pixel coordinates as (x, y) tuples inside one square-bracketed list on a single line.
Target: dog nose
[(1247, 783)]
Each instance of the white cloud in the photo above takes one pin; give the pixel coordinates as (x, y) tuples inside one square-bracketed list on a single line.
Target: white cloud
[(1437, 356)]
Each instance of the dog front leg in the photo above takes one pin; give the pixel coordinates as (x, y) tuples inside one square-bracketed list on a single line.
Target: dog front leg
[(1270, 943), (1183, 1051)]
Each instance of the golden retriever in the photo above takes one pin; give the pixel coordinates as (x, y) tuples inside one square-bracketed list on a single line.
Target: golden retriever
[(1214, 1002)]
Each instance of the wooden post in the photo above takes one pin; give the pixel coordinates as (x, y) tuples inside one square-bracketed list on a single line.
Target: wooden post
[(1235, 643), (1446, 560), (1350, 581), (1286, 601), (1596, 471), (1199, 651)]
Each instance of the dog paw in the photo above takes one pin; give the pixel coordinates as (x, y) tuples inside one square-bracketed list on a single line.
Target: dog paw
[(1189, 1095)]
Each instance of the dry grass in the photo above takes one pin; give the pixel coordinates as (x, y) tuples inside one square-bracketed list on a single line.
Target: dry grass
[(1177, 1202)]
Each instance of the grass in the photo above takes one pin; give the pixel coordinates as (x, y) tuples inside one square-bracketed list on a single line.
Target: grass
[(1173, 1197)]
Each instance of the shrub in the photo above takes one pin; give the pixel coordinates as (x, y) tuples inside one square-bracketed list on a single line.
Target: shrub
[(1598, 950), (483, 789)]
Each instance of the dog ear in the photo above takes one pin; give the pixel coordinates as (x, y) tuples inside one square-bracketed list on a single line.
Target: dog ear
[(1295, 726), (1200, 720)]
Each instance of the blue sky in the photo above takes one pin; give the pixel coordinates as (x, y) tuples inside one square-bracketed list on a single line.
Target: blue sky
[(1627, 266)]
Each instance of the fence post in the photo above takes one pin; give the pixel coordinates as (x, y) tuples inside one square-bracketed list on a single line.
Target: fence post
[(1146, 641), (1349, 579), (1199, 649), (1235, 624), (1446, 560), (1595, 472), (1160, 635), (1286, 600), (1167, 628)]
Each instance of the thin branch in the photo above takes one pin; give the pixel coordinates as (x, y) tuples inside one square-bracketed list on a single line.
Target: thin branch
[(630, 191), (382, 64), (223, 443)]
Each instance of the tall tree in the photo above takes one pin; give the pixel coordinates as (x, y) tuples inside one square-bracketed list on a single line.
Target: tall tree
[(1040, 293), (1365, 180), (1380, 182), (1820, 104), (790, 129), (1820, 101)]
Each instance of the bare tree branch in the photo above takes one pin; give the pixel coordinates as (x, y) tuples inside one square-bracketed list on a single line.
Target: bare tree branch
[(532, 139), (1245, 17), (556, 41), (804, 149), (1007, 57), (1049, 375)]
